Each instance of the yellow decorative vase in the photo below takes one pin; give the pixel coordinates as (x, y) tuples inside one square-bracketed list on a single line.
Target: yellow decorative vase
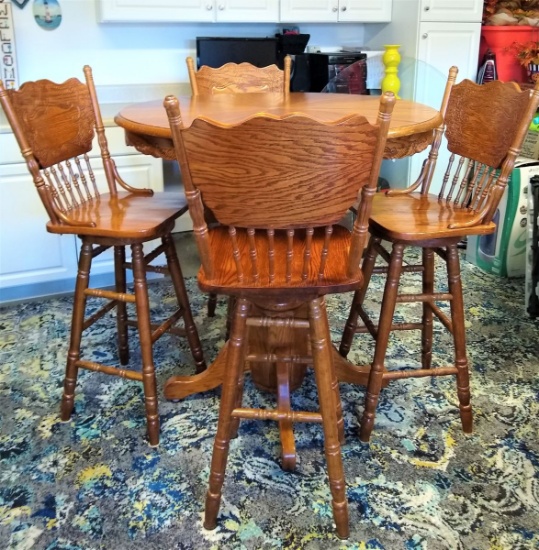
[(391, 60)]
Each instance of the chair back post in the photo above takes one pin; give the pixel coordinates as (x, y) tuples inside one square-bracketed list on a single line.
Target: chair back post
[(430, 165), (286, 75), (108, 163), (192, 75), (194, 200), (360, 229)]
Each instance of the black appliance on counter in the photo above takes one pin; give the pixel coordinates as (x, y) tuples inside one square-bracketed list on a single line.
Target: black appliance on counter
[(338, 72), (216, 51)]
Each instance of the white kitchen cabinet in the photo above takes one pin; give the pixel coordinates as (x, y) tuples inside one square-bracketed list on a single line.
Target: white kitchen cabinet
[(34, 262), (331, 11), (451, 10), (205, 11), (28, 254)]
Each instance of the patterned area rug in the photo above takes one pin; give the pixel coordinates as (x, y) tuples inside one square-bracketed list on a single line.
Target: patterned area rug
[(93, 483)]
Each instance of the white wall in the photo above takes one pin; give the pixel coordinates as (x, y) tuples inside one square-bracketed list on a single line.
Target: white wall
[(133, 53)]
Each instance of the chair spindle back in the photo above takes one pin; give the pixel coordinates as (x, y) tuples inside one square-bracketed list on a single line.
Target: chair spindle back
[(280, 185), (55, 125), (482, 148)]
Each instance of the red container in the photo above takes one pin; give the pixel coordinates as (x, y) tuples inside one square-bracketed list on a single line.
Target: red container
[(498, 39)]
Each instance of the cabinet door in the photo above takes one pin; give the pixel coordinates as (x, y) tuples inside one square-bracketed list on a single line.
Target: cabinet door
[(451, 10), (246, 11), (29, 255), (306, 11), (366, 11), (162, 11), (441, 46)]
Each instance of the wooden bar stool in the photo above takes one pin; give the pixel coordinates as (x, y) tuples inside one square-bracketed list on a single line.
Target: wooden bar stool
[(484, 127), (55, 125), (234, 78), (278, 186)]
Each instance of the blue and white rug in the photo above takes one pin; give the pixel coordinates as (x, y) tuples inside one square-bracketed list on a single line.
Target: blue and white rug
[(93, 483)]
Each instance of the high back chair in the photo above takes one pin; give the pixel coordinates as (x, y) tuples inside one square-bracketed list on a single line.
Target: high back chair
[(233, 78), (278, 187), (484, 127), (55, 125)]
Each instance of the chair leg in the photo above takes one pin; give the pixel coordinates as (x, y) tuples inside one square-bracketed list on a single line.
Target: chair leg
[(427, 320), (286, 429), (322, 363), (212, 304), (176, 275), (233, 372), (384, 329), (77, 323), (121, 306), (142, 304), (459, 338), (359, 296), (229, 315)]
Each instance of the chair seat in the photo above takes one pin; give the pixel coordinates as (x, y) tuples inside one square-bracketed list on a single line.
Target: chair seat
[(127, 215), (225, 280), (417, 217)]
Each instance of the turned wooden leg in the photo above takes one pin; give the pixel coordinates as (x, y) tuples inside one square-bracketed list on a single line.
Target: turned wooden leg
[(229, 315), (384, 329), (359, 296), (322, 363), (233, 372), (459, 338), (235, 422), (427, 320), (212, 304), (77, 324), (286, 429), (142, 304), (176, 275), (121, 306)]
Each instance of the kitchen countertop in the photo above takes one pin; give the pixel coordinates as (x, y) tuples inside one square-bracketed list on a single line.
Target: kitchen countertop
[(113, 99)]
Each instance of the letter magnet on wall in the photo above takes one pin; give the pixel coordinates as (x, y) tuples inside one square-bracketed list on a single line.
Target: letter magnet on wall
[(48, 14), (8, 59)]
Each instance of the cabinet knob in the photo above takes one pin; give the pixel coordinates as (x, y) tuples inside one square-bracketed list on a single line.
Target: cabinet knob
[(221, 7), (427, 8), (335, 8), (209, 6), (424, 35), (343, 8)]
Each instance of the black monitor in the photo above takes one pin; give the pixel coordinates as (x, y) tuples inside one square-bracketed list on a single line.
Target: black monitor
[(216, 51)]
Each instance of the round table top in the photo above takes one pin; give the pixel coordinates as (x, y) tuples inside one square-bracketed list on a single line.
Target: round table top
[(150, 118)]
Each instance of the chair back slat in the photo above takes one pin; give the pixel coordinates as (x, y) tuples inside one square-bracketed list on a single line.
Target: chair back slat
[(236, 252), (233, 78), (280, 184), (271, 255), (253, 253), (276, 167), (472, 131), (307, 253)]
